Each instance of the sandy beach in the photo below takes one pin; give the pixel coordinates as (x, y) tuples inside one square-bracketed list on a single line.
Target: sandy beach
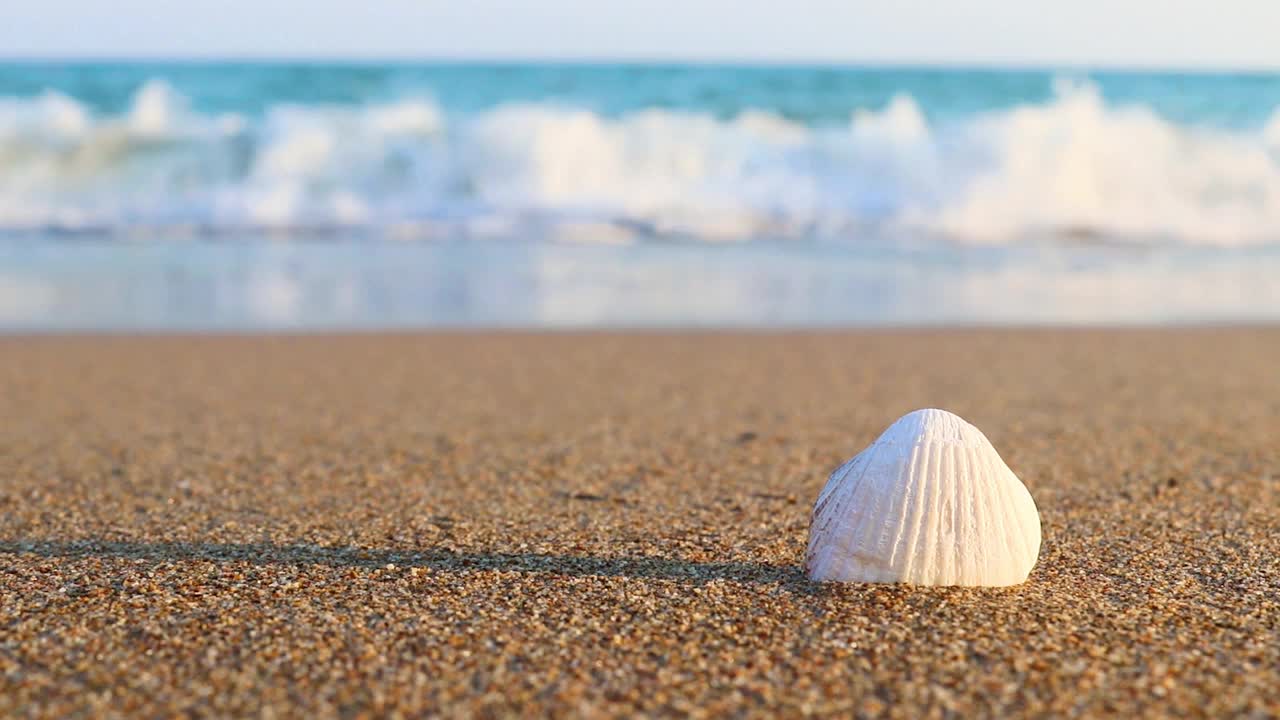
[(503, 524)]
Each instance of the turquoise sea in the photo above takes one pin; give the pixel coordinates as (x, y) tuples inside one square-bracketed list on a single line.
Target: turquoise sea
[(242, 196)]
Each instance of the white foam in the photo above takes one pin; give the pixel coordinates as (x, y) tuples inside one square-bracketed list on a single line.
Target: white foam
[(303, 153), (412, 117), (1271, 132), (1078, 166), (900, 123), (157, 110), (1071, 167)]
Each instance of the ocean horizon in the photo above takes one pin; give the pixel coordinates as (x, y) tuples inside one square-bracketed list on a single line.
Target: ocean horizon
[(197, 194)]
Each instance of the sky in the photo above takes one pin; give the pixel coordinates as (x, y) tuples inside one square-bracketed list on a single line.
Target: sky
[(1126, 33)]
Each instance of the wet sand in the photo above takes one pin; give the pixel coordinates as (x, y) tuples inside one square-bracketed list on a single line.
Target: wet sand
[(516, 524)]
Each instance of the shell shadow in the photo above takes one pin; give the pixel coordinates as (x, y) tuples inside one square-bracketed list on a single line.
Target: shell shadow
[(786, 577)]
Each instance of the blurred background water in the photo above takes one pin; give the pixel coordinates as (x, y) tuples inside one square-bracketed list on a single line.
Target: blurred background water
[(232, 196)]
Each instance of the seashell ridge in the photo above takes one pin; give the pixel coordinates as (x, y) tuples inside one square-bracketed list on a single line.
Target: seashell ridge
[(930, 502)]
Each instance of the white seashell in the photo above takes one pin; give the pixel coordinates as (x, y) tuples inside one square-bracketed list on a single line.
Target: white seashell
[(929, 503)]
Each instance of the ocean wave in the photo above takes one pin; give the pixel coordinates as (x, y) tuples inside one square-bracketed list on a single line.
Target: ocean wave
[(1074, 167)]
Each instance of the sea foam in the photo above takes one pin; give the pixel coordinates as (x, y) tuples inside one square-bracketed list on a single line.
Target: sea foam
[(1074, 167)]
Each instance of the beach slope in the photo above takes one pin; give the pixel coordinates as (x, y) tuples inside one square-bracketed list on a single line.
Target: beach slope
[(609, 524)]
